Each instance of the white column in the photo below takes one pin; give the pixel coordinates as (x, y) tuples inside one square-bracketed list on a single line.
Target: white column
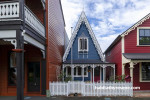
[(72, 72), (123, 69), (103, 73), (131, 71), (93, 73), (114, 72), (83, 73)]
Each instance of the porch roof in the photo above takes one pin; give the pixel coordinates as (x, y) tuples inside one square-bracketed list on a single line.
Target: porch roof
[(137, 56), (86, 61)]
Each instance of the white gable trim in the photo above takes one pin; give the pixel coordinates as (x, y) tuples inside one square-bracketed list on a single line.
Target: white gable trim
[(83, 18), (136, 25)]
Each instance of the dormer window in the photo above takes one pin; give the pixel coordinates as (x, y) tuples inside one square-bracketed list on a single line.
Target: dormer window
[(83, 44)]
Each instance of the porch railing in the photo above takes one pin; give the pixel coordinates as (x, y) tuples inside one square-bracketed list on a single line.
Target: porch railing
[(91, 89), (10, 10)]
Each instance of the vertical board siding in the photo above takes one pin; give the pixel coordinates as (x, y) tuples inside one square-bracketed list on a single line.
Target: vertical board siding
[(55, 39), (115, 57)]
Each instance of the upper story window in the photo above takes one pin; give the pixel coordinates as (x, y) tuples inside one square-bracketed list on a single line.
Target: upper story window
[(144, 36), (83, 44)]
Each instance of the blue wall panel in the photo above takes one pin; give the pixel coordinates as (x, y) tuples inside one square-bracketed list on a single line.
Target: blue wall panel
[(92, 53)]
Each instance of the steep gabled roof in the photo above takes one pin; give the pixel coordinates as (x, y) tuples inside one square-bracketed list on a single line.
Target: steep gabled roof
[(128, 31), (97, 46)]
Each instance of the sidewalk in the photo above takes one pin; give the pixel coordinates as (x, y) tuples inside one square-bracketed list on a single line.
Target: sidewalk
[(25, 98)]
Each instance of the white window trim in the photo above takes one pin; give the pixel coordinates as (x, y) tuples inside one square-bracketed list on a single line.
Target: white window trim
[(77, 72), (138, 28), (140, 73), (79, 44)]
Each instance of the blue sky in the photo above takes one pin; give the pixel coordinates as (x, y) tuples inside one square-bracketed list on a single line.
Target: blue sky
[(108, 18)]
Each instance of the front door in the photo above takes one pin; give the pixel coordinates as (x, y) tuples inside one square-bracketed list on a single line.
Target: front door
[(34, 77)]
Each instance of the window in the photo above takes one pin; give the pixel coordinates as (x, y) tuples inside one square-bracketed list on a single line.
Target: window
[(83, 44), (145, 71), (12, 70), (144, 36), (78, 72)]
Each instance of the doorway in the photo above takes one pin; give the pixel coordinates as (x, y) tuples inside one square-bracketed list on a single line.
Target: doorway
[(33, 76)]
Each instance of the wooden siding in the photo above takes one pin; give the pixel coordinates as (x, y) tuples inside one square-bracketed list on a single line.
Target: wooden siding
[(37, 8), (115, 57), (32, 54), (92, 52), (136, 81), (131, 41), (55, 39)]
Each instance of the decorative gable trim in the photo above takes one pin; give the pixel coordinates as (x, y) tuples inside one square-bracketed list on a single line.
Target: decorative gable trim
[(136, 25), (83, 18)]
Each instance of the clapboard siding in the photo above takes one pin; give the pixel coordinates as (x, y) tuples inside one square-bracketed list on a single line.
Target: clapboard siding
[(55, 38), (115, 57), (131, 41)]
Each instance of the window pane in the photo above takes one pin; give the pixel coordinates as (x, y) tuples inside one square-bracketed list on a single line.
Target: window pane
[(85, 44), (75, 71), (79, 70), (147, 32), (12, 71), (85, 71), (80, 44), (145, 71), (141, 32), (69, 70), (144, 40)]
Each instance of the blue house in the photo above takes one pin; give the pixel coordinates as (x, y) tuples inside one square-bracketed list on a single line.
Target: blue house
[(83, 59)]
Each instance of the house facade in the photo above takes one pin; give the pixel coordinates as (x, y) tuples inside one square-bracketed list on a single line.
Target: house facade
[(130, 52), (83, 59), (32, 44)]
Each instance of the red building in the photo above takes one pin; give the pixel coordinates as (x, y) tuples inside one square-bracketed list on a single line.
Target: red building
[(130, 51), (32, 41)]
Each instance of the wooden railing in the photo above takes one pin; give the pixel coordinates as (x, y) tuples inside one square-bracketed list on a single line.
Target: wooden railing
[(33, 21), (10, 10), (91, 89)]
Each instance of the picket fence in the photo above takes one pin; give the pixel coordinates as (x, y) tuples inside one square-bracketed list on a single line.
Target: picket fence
[(91, 89)]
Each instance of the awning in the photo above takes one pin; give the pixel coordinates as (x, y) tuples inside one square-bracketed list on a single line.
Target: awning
[(137, 56)]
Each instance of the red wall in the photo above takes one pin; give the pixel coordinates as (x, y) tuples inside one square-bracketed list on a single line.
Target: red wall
[(115, 57), (131, 41), (55, 39)]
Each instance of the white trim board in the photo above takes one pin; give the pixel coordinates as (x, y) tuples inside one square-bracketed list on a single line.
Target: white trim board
[(81, 19), (29, 39), (7, 34)]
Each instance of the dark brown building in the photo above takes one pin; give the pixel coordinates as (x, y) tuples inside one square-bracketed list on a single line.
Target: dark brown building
[(32, 40)]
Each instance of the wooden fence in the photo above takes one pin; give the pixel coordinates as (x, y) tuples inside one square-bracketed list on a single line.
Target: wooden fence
[(91, 89)]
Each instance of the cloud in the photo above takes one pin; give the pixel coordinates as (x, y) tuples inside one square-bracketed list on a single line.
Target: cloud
[(108, 18)]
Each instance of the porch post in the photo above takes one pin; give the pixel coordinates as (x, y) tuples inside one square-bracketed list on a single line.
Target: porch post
[(20, 65), (114, 72), (72, 74), (123, 69), (103, 73), (131, 71), (93, 73), (83, 73)]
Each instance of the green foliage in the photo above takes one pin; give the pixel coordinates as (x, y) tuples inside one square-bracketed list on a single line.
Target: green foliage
[(120, 78), (63, 75)]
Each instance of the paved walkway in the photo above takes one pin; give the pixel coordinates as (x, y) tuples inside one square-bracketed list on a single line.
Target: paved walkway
[(72, 98)]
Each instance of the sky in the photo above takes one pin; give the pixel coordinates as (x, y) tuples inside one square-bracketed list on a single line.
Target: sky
[(108, 18)]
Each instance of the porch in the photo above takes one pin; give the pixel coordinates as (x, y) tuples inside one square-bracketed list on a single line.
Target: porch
[(137, 66), (90, 72)]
